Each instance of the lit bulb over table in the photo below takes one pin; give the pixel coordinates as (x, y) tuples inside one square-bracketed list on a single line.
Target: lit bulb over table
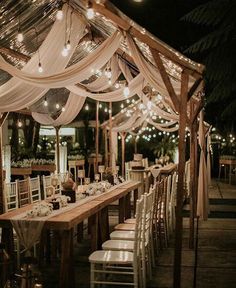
[(126, 91), (20, 36), (90, 13), (64, 52), (59, 15), (40, 68), (68, 45), (45, 103)]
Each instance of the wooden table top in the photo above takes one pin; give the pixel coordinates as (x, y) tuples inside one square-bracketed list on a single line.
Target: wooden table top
[(227, 161), (69, 219)]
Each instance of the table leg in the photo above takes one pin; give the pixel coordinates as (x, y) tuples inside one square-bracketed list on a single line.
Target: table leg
[(67, 277), (104, 224), (94, 231), (7, 239), (121, 210), (230, 170), (127, 206), (135, 199), (80, 230)]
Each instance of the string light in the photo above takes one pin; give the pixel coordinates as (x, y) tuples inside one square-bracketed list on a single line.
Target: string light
[(68, 45), (40, 68), (20, 36), (126, 91), (65, 51), (86, 107), (57, 106), (63, 109), (90, 13), (59, 14), (45, 102)]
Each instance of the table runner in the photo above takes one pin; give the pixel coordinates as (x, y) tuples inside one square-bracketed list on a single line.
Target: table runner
[(29, 229)]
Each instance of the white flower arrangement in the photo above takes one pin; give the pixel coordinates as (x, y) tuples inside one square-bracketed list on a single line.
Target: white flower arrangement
[(41, 209)]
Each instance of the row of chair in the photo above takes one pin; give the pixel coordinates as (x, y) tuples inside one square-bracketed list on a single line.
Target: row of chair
[(128, 257), (23, 192)]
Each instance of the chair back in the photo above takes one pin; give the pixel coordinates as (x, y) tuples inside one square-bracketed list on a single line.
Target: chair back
[(35, 190), (139, 229), (23, 192), (10, 196)]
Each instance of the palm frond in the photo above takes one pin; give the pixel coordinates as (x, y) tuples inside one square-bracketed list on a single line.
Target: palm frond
[(209, 14)]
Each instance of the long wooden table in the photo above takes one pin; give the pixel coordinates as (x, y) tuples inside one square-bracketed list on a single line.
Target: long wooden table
[(96, 210)]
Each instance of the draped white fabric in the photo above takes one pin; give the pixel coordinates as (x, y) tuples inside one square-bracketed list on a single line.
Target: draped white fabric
[(202, 199), (102, 83), (73, 105), (117, 95), (74, 73), (209, 158), (15, 95)]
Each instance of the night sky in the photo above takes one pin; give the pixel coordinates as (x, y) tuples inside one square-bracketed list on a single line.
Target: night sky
[(163, 19)]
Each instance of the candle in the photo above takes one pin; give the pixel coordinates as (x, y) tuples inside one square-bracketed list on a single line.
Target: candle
[(101, 168), (81, 173), (86, 181)]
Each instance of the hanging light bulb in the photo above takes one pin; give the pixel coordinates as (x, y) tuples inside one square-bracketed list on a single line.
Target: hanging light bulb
[(122, 105), (57, 106), (90, 13), (126, 91), (100, 105), (19, 123), (45, 103), (86, 107), (117, 85), (40, 68), (149, 105), (64, 52), (59, 14), (68, 45), (20, 36), (108, 73), (63, 109)]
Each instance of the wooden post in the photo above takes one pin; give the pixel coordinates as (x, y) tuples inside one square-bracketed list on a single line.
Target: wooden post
[(135, 145), (110, 134), (123, 134), (2, 120), (57, 149), (106, 148), (97, 135), (180, 185), (193, 173)]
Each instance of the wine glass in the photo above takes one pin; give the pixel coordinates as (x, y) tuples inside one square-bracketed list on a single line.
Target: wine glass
[(101, 169), (87, 181), (81, 175)]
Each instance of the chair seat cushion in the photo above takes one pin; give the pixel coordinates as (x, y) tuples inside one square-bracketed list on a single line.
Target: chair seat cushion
[(123, 245), (130, 221), (125, 235), (125, 226), (111, 257)]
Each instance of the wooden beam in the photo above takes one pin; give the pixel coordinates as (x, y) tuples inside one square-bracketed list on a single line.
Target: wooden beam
[(97, 136), (180, 185), (110, 134), (151, 41), (198, 108), (2, 120), (14, 54), (58, 149), (193, 178), (194, 87), (165, 78), (123, 135)]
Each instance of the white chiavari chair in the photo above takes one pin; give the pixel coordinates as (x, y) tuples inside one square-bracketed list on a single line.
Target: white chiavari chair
[(121, 263)]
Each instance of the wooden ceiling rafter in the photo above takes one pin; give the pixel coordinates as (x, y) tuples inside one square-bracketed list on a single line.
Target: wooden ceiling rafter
[(18, 55), (152, 43)]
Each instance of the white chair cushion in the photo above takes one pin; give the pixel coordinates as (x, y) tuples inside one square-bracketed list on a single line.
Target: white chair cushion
[(111, 257), (122, 245)]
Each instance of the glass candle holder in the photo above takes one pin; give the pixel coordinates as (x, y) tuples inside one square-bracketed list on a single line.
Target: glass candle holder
[(87, 181), (97, 177), (101, 169), (81, 175)]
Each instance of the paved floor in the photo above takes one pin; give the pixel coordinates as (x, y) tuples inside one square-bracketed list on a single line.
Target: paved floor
[(216, 259)]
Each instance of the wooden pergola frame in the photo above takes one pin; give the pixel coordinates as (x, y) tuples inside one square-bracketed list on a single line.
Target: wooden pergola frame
[(187, 107)]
